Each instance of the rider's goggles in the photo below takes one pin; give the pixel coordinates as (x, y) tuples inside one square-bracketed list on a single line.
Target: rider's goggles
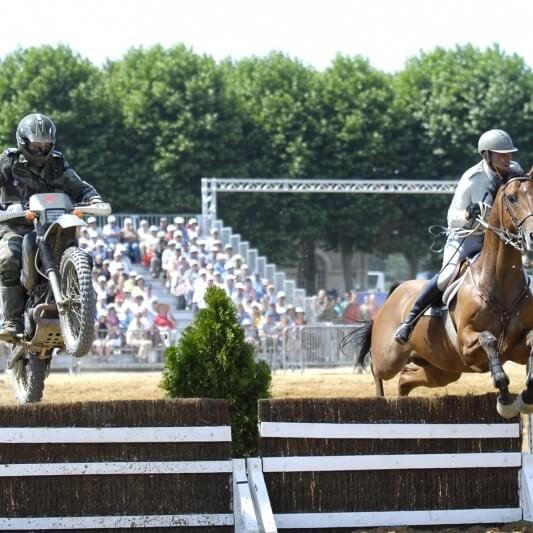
[(39, 148)]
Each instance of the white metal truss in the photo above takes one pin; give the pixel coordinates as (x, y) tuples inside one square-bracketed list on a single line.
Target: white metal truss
[(210, 187)]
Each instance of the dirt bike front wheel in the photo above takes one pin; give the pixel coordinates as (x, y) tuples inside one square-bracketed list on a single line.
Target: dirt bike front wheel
[(79, 310)]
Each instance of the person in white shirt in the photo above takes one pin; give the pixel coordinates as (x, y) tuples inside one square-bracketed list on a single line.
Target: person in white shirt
[(138, 334), (476, 189)]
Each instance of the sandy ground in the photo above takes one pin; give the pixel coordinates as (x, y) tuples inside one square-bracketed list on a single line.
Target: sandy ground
[(86, 386)]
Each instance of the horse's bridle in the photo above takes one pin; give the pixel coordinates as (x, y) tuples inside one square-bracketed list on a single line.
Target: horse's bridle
[(514, 239)]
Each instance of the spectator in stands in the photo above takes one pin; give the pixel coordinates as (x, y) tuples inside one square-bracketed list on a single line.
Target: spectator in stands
[(111, 231), (238, 294), (291, 313), (192, 228), (328, 312), (163, 225), (199, 290), (256, 314), (120, 262), (271, 294), (320, 302), (258, 285), (214, 236), (163, 318), (267, 331), (157, 254), (93, 230), (351, 311), (251, 335), (101, 330), (281, 308), (367, 308), (138, 335), (228, 250), (180, 227), (130, 238), (300, 317)]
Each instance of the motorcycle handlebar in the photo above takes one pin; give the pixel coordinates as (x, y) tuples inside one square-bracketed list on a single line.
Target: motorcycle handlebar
[(99, 209)]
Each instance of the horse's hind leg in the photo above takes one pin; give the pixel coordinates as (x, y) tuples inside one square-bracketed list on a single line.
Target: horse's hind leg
[(420, 373), (507, 406), (377, 381)]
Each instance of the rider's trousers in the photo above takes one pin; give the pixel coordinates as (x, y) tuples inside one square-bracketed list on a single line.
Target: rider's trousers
[(455, 250)]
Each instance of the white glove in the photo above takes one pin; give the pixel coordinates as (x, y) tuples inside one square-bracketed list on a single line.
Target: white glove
[(15, 208)]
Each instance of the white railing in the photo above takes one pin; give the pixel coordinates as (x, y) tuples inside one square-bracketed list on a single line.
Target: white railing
[(303, 347)]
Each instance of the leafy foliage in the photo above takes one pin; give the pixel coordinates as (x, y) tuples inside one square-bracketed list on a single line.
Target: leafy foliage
[(212, 360), (146, 128)]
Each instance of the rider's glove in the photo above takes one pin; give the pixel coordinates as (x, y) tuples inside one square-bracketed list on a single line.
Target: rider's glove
[(15, 208), (473, 211)]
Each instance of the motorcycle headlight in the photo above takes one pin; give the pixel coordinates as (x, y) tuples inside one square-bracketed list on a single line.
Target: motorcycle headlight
[(53, 214)]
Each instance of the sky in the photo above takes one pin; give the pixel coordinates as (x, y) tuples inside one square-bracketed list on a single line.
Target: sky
[(386, 32)]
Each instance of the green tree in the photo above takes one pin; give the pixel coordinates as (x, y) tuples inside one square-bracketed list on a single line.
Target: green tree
[(59, 83), (180, 124), (276, 96), (353, 102), (212, 360)]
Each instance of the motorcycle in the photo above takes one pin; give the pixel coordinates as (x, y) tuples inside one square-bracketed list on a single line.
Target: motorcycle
[(60, 308)]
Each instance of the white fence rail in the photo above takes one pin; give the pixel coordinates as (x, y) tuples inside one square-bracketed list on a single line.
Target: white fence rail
[(304, 347)]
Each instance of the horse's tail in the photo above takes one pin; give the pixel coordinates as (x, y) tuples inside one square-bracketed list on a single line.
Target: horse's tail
[(359, 340)]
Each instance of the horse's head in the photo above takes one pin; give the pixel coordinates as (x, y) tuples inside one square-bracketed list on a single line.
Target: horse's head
[(517, 209)]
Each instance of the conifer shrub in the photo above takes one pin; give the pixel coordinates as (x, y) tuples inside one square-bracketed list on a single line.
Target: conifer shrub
[(212, 360)]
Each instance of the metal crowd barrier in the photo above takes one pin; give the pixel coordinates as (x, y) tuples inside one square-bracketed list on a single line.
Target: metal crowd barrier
[(303, 347)]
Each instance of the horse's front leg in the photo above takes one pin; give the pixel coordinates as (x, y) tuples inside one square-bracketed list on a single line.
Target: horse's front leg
[(507, 406), (526, 397)]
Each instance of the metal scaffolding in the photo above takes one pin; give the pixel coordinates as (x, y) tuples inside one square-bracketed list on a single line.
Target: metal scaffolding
[(210, 187)]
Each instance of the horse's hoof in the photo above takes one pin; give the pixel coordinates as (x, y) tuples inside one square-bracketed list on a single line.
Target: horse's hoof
[(525, 407), (508, 409)]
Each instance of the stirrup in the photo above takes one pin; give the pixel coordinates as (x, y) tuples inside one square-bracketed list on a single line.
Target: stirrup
[(404, 332)]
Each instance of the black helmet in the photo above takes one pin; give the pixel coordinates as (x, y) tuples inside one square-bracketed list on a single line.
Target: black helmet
[(36, 137)]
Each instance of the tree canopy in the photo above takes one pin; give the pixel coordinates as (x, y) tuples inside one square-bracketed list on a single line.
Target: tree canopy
[(146, 128)]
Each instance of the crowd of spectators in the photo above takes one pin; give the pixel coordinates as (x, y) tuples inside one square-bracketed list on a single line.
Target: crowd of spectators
[(349, 308), (187, 262)]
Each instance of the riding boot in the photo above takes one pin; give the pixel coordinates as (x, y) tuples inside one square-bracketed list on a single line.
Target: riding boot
[(13, 299), (428, 295)]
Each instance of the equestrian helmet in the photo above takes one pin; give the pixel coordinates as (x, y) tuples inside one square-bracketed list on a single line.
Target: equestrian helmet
[(496, 141), (36, 137)]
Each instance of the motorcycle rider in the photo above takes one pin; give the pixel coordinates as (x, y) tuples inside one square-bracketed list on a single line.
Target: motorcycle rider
[(478, 184), (32, 167)]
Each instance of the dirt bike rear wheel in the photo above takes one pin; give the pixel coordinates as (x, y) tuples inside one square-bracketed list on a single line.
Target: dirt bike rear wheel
[(77, 318), (28, 378)]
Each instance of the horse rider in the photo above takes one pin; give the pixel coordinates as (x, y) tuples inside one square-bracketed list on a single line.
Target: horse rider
[(32, 167), (478, 185)]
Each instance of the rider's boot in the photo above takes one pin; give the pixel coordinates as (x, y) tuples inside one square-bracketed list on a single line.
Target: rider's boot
[(13, 299), (428, 295)]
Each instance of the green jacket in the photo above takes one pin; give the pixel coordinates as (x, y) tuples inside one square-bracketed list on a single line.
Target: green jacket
[(20, 179)]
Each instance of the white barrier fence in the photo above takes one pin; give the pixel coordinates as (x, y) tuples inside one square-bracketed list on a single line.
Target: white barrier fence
[(305, 347), (242, 517), (270, 520)]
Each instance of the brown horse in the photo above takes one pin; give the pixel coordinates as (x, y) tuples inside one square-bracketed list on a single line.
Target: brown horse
[(492, 314)]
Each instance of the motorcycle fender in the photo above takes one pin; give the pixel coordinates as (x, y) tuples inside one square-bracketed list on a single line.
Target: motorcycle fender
[(65, 222)]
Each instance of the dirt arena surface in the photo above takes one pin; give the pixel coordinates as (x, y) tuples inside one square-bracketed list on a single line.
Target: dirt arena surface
[(331, 383)]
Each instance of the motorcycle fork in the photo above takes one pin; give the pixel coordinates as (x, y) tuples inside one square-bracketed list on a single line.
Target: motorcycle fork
[(47, 260)]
